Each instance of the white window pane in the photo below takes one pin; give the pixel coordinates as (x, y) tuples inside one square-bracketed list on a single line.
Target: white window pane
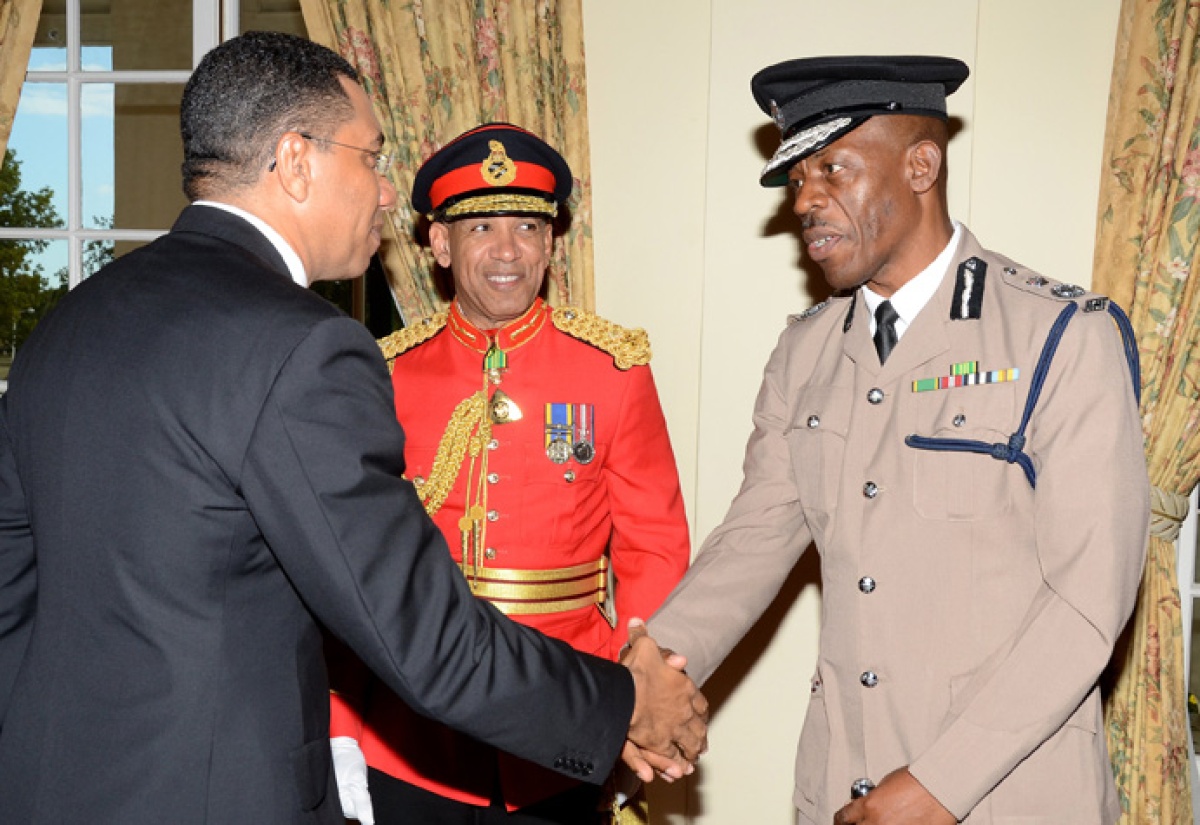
[(142, 35), (97, 145), (35, 168), (271, 15), (145, 157)]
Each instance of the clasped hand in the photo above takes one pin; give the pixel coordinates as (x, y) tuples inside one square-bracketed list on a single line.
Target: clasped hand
[(669, 727)]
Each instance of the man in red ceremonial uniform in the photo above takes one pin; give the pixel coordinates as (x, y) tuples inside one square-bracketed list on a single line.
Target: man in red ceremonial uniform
[(537, 443)]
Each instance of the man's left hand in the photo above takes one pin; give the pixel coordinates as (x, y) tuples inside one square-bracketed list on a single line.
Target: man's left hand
[(898, 799)]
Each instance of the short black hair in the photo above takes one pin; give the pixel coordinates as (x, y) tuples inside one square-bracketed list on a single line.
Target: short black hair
[(245, 94)]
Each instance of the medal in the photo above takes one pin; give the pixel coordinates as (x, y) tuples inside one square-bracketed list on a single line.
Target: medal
[(558, 451), (569, 433), (559, 427), (584, 448), (495, 362), (583, 452)]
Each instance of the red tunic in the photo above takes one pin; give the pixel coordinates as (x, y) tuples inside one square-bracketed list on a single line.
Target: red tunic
[(540, 515)]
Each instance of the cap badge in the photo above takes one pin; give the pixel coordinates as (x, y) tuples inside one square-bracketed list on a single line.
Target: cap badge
[(777, 115), (497, 168)]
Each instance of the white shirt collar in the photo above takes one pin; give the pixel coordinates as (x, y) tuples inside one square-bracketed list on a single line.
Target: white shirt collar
[(911, 298), (294, 265)]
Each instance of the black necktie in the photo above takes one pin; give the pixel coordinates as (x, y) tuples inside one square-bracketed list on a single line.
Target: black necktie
[(885, 330)]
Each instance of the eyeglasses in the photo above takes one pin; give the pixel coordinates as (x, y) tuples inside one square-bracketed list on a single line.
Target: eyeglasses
[(381, 160)]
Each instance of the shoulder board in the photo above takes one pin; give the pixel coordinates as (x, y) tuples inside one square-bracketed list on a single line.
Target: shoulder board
[(808, 313), (1029, 281), (628, 347), (402, 340)]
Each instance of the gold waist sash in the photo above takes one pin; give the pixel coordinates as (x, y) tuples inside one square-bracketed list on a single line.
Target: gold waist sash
[(524, 592)]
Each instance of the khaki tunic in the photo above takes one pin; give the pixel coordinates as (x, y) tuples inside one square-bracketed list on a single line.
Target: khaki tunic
[(966, 615)]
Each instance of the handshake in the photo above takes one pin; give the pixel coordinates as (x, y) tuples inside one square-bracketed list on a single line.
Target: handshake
[(669, 727), (667, 731)]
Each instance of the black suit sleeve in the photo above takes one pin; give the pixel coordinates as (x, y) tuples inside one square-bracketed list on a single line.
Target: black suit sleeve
[(18, 570), (323, 480)]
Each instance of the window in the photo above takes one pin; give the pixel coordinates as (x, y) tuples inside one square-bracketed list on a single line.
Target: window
[(92, 166), (1188, 553)]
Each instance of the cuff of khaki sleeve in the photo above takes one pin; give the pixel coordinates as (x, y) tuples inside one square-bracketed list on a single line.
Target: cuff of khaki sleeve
[(962, 767)]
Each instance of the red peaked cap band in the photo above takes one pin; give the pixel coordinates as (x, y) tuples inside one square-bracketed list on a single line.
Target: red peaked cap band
[(495, 169)]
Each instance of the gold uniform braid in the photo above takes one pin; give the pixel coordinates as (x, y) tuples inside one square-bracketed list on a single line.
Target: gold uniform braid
[(402, 340), (468, 419), (628, 347)]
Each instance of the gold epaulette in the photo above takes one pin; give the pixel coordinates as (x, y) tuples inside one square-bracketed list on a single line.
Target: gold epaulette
[(628, 347), (402, 340)]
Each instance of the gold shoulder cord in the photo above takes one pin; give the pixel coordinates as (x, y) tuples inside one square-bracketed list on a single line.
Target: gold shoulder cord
[(628, 347), (468, 419), (402, 340), (467, 433)]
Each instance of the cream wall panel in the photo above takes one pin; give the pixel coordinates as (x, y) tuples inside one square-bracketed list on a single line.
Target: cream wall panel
[(690, 247), (648, 103), (1041, 86)]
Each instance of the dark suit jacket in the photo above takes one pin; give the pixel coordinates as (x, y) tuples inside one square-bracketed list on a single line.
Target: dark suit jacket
[(211, 467)]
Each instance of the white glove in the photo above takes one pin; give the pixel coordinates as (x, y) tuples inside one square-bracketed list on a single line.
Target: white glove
[(350, 769), (624, 785)]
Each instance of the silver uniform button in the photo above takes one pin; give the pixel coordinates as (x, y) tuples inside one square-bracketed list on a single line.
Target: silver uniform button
[(569, 475), (875, 396), (870, 489), (490, 552), (959, 420), (866, 584), (869, 679), (493, 444), (418, 480), (813, 422), (493, 478), (493, 515), (861, 787)]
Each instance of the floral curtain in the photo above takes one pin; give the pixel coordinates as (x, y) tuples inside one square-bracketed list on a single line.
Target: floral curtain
[(18, 22), (435, 68), (1147, 256)]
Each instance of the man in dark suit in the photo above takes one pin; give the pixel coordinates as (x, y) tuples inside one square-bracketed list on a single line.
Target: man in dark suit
[(200, 466)]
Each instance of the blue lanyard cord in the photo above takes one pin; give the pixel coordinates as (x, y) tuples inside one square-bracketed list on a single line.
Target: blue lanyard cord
[(1014, 451), (1043, 367), (1131, 348), (1009, 452)]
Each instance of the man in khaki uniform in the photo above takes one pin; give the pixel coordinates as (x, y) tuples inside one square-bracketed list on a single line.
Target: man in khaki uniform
[(960, 439)]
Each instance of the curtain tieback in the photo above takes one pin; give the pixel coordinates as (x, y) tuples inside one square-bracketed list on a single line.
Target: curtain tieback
[(1167, 512)]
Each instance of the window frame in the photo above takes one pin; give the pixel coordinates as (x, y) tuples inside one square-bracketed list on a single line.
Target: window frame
[(1189, 591), (207, 17)]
